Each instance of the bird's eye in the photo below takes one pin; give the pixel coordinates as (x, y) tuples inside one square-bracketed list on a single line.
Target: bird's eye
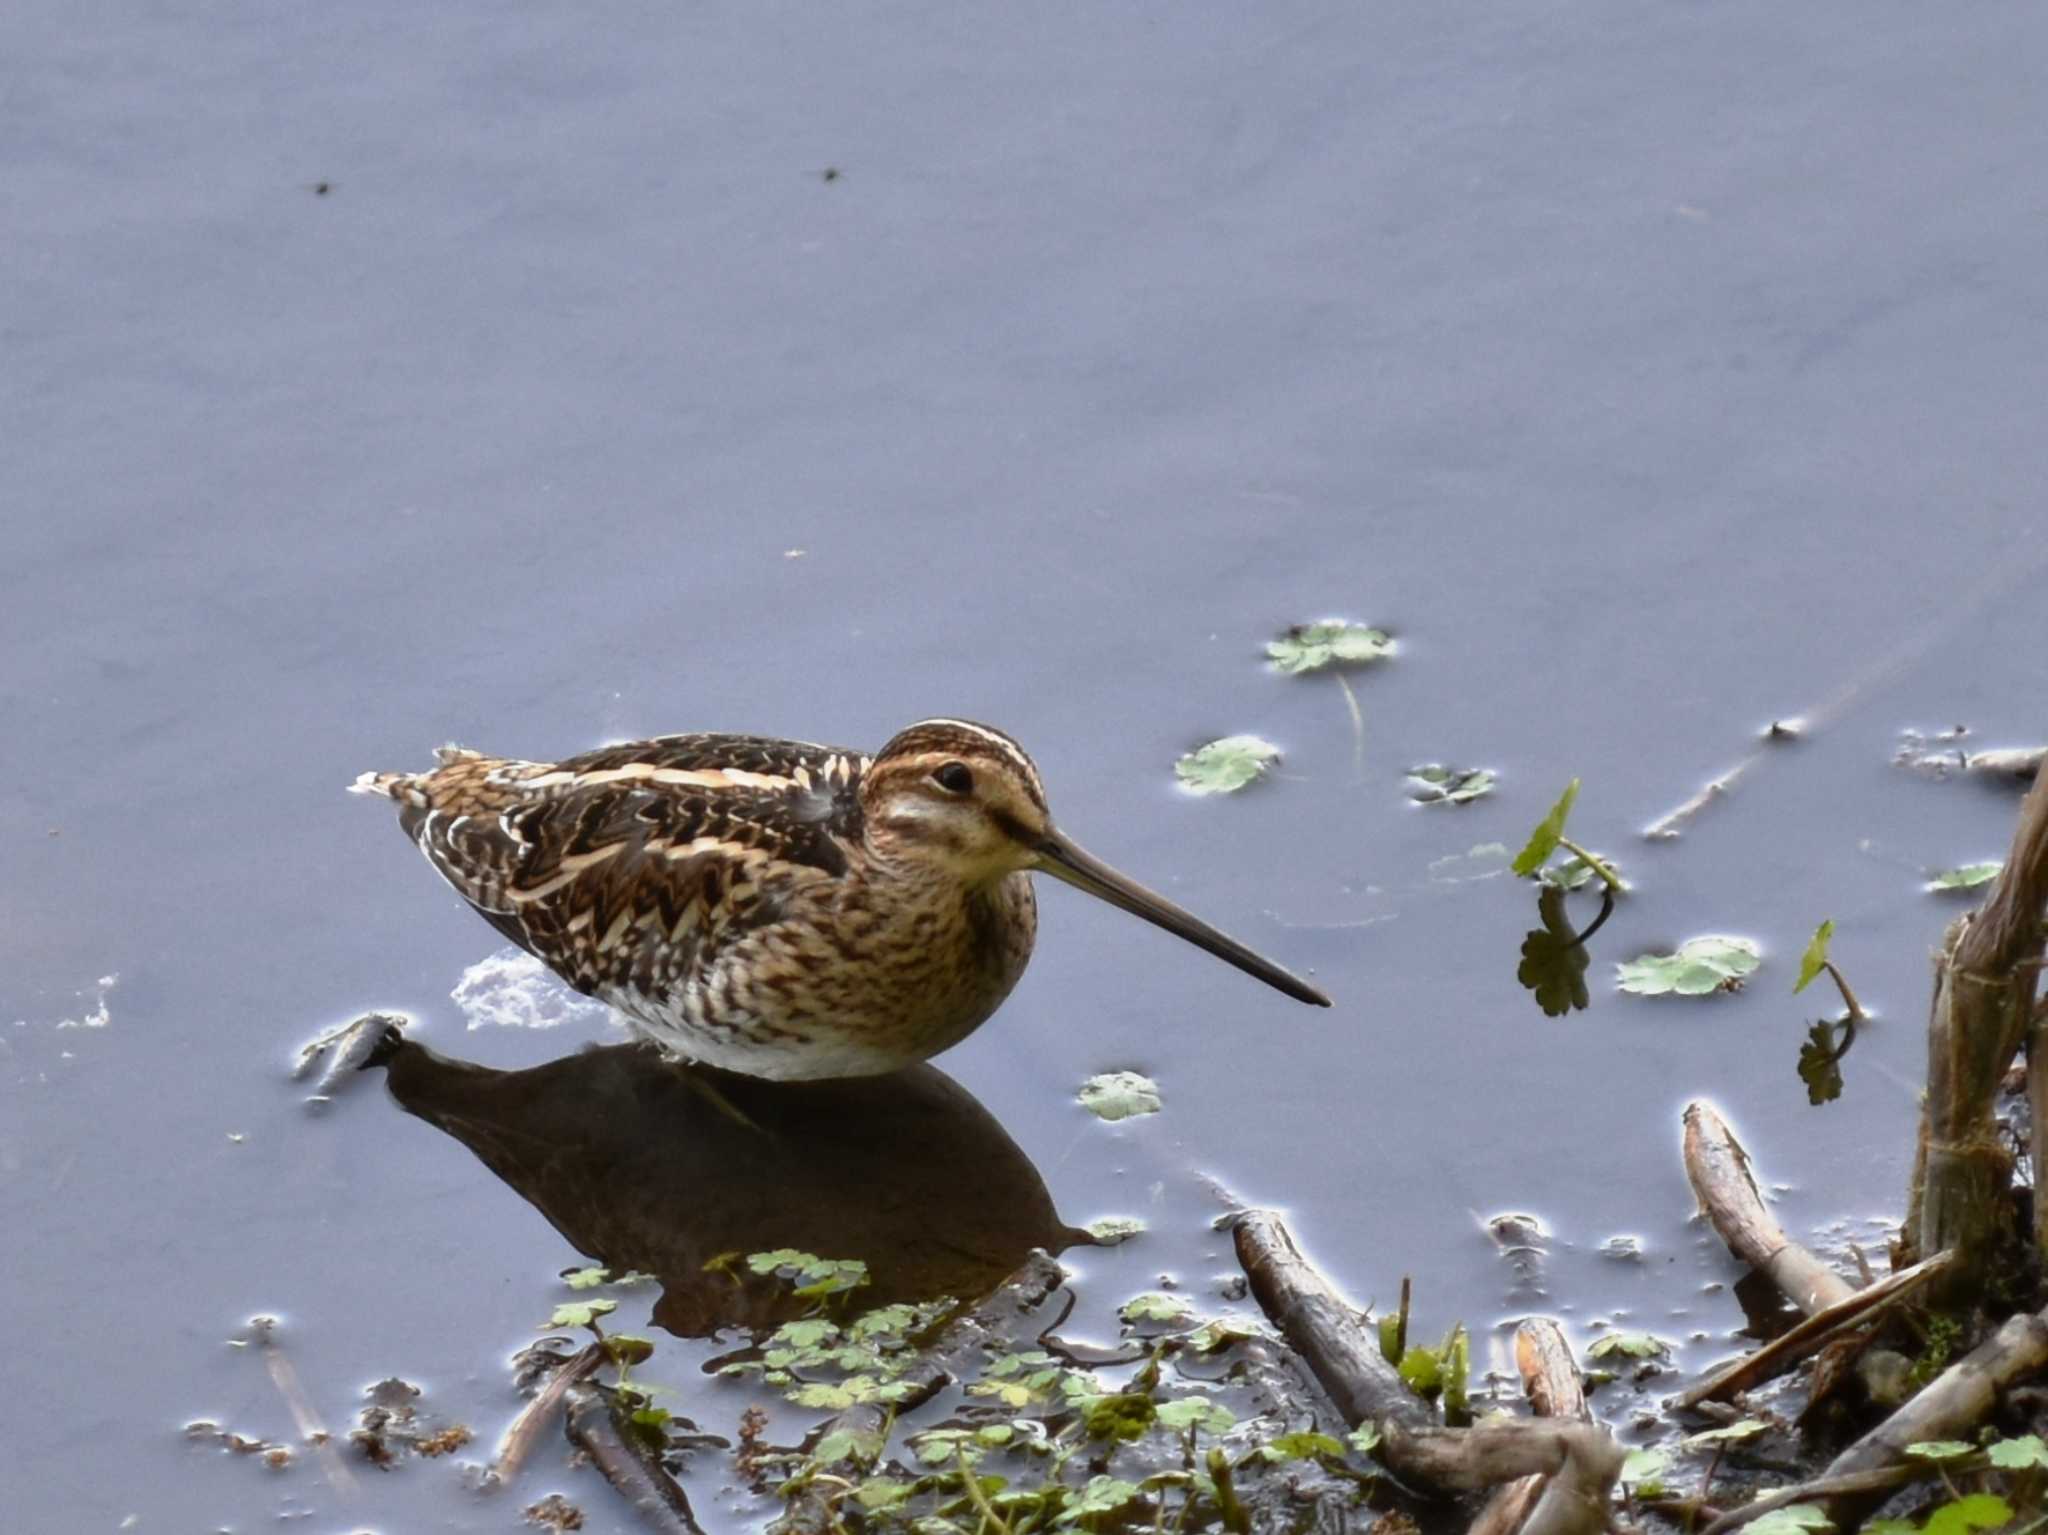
[(954, 778)]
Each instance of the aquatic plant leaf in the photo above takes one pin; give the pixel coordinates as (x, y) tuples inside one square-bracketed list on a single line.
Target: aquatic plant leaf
[(586, 1279), (1815, 959), (1423, 1369), (1457, 1373), (1432, 783), (879, 1494), (1332, 642), (1793, 1519), (1733, 1433), (1113, 1230), (1217, 1334), (808, 1332), (1978, 1511), (1196, 1412), (2018, 1454), (1644, 1465), (1307, 1446), (1941, 1449), (1102, 1495), (1115, 1095), (1715, 962), (1154, 1307), (1553, 960), (1123, 1416), (1571, 874), (1225, 766), (1364, 1439), (1543, 840), (1820, 1067), (1631, 1345), (580, 1313), (1968, 877), (847, 1444), (628, 1349)]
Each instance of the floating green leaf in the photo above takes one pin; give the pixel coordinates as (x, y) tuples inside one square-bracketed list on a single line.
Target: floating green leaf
[(1432, 783), (1112, 1230), (1553, 960), (627, 1349), (1793, 1519), (1196, 1412), (580, 1313), (1115, 1095), (2018, 1454), (1226, 765), (879, 1494), (1312, 647), (1364, 1439), (1632, 1345), (1978, 1511), (1102, 1495), (1307, 1446), (1815, 959), (1571, 874), (1820, 1065), (586, 1279), (1733, 1433), (1644, 1465), (1543, 840), (1968, 877), (1700, 966), (1941, 1449), (1154, 1307), (1218, 1334)]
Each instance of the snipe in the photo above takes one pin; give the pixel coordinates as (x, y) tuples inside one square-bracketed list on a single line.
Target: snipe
[(772, 907)]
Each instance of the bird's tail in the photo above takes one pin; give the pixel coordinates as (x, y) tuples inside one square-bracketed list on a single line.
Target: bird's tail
[(409, 786)]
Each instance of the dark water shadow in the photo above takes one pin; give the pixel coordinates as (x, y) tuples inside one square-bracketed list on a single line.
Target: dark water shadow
[(641, 1169)]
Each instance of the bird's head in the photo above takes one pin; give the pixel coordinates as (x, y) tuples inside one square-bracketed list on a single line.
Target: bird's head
[(964, 801)]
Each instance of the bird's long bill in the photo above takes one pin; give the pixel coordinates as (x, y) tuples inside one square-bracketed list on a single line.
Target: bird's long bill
[(1084, 871)]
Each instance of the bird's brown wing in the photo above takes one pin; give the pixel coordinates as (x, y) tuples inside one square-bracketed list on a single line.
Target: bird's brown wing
[(625, 869)]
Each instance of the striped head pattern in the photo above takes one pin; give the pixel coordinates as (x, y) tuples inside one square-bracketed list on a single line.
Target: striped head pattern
[(958, 795)]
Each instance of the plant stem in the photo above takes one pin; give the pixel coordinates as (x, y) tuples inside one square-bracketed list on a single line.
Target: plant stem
[(1849, 1001), (1597, 864), (1357, 726)]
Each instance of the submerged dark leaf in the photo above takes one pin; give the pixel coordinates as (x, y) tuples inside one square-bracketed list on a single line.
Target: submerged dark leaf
[(1553, 960), (1820, 1065)]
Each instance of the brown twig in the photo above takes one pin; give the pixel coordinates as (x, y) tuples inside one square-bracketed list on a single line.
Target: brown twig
[(525, 1430), (314, 1432), (1550, 1379), (1858, 1309), (626, 1461)]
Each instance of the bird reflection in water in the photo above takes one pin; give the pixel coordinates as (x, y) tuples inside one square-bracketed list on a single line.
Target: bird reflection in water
[(641, 1169)]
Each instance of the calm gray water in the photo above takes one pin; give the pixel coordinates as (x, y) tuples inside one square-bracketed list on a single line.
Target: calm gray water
[(1653, 373)]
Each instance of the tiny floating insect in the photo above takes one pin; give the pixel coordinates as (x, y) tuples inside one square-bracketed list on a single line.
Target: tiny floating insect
[(776, 908)]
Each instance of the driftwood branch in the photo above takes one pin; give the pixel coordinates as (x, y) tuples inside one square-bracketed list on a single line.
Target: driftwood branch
[(1340, 1350), (596, 1426), (1951, 1407), (1322, 1327), (1985, 980), (1550, 1379), (525, 1430), (1860, 1308), (1724, 1181)]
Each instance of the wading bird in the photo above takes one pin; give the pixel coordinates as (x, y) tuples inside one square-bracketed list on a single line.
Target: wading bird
[(772, 907)]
